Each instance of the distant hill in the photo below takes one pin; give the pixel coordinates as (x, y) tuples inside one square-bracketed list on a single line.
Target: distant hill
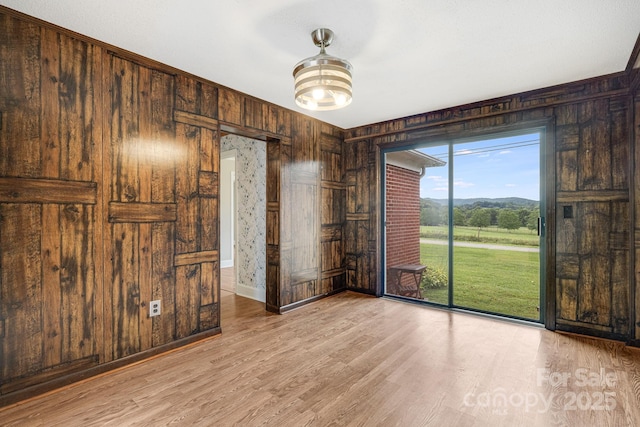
[(488, 202)]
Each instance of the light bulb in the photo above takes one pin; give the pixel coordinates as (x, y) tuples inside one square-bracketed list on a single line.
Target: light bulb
[(341, 99), (312, 105), (318, 93)]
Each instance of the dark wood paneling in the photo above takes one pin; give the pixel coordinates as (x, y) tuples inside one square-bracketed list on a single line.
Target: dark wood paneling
[(309, 171), (277, 120), (163, 205), (248, 115), (500, 111), (273, 285), (208, 184), (333, 192), (162, 191), (195, 119), (196, 260), (196, 99), (122, 287), (231, 106), (22, 293), (142, 212), (361, 216), (301, 190), (595, 182), (26, 190), (50, 274), (253, 113), (592, 195), (20, 101), (635, 212), (164, 209)]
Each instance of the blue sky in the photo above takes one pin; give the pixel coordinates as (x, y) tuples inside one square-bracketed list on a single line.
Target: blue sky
[(501, 167)]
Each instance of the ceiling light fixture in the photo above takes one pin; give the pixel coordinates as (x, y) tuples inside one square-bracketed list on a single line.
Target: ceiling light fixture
[(322, 82)]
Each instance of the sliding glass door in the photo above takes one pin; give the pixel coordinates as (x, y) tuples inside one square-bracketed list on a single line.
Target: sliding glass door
[(462, 224)]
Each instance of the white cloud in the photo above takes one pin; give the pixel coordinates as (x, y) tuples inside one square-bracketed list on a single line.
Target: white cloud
[(510, 185), (505, 152), (463, 184)]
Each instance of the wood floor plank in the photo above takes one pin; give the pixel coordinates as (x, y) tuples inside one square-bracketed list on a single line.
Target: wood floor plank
[(355, 360)]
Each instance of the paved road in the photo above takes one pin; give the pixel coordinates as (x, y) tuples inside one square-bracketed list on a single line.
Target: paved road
[(481, 245)]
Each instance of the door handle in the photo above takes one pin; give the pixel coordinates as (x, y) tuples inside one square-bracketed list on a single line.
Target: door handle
[(540, 225)]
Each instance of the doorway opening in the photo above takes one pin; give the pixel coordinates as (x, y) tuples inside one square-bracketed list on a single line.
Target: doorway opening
[(243, 204), (463, 224), (228, 214)]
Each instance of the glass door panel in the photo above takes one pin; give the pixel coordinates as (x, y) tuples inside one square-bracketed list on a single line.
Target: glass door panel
[(434, 226), (416, 224), (496, 205)]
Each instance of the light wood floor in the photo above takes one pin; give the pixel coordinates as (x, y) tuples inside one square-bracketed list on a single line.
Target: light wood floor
[(357, 360), (228, 279)]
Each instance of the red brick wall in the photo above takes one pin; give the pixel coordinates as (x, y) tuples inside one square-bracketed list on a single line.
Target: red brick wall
[(403, 218)]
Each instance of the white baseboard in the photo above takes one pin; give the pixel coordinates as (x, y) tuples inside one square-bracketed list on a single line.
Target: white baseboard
[(258, 294), (226, 263), (226, 287)]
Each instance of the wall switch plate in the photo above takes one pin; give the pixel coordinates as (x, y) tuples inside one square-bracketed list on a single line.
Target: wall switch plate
[(154, 308)]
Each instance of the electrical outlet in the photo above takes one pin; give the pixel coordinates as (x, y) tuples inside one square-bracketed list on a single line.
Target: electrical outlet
[(154, 308)]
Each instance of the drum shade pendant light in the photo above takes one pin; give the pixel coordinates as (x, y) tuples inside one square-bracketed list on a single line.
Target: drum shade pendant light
[(322, 82)]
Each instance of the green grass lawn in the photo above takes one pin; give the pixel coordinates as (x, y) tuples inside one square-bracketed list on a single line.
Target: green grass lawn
[(493, 234), (497, 281)]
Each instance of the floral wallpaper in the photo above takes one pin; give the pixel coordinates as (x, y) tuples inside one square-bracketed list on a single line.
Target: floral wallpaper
[(251, 229)]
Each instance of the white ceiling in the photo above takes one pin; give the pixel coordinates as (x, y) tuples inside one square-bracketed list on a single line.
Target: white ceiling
[(409, 56)]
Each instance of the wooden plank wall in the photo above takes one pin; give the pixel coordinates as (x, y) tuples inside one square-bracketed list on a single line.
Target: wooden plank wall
[(636, 235), (109, 199), (592, 248), (361, 240), (301, 224), (589, 139), (50, 269), (333, 215), (635, 155), (274, 206)]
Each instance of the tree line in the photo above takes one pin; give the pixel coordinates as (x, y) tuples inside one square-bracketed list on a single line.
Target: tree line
[(509, 216)]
